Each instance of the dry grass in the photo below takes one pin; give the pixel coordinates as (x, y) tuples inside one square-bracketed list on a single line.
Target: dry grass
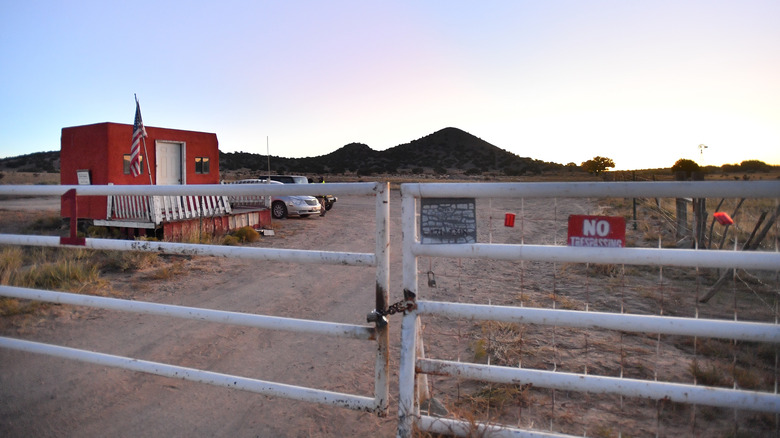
[(29, 178), (76, 270), (168, 271), (46, 268)]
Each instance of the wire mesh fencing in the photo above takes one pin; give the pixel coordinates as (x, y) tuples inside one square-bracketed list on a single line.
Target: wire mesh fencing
[(694, 292)]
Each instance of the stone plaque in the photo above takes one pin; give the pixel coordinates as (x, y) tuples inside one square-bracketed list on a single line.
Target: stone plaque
[(448, 220)]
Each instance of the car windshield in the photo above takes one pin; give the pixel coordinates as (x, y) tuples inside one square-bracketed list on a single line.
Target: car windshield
[(300, 180)]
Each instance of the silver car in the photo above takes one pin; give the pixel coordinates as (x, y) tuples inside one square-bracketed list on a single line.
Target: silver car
[(284, 206)]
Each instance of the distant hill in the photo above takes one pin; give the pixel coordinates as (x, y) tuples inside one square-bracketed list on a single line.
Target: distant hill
[(449, 149), (43, 162)]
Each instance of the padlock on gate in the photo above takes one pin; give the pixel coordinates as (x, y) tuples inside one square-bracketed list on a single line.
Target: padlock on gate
[(377, 318)]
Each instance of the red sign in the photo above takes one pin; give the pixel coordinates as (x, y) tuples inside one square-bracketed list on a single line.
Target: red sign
[(597, 231)]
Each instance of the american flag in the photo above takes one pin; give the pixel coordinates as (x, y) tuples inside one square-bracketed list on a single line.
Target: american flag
[(139, 132)]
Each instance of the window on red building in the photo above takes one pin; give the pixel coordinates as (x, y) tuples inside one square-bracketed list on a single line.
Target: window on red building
[(202, 165), (126, 163)]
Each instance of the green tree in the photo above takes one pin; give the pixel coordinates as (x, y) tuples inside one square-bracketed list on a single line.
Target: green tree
[(754, 166), (685, 165), (597, 165)]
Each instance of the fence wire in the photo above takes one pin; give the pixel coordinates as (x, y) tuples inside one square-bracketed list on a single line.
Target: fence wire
[(592, 287)]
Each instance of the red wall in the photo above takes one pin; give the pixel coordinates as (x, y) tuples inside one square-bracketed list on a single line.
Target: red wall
[(100, 148)]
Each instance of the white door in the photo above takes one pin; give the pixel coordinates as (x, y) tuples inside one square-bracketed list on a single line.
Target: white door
[(169, 163)]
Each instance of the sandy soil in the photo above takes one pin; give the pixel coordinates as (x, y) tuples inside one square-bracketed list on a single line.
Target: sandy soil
[(44, 396)]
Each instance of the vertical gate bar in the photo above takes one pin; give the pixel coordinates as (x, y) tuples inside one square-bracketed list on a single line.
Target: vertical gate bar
[(407, 408), (406, 373), (382, 254)]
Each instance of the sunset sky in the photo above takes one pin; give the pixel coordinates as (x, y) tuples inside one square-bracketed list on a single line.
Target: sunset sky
[(644, 83)]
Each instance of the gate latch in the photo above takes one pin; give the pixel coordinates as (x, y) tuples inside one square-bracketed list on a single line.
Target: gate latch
[(380, 316)]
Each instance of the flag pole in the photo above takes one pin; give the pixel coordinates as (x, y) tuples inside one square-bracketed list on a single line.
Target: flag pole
[(143, 138), (148, 165)]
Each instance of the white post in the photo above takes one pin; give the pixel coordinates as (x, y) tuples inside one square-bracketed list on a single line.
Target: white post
[(382, 253), (407, 406)]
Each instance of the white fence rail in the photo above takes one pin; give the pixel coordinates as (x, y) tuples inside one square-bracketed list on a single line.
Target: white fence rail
[(414, 366), (379, 260)]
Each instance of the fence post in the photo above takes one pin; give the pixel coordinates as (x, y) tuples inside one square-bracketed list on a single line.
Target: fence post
[(681, 213), (382, 252), (407, 403)]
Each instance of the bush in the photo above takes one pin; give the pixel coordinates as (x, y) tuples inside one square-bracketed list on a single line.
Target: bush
[(126, 260), (246, 234), (230, 241), (685, 165), (597, 165), (754, 166)]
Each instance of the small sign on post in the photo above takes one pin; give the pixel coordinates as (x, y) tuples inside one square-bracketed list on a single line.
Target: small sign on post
[(448, 220), (83, 177), (597, 231)]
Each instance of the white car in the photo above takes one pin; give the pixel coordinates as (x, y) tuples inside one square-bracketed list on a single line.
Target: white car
[(284, 206), (325, 200)]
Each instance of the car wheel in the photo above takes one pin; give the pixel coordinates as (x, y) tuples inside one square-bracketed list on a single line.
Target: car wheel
[(279, 210), (328, 206)]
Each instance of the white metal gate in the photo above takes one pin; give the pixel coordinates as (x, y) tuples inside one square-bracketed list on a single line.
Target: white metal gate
[(415, 366), (379, 260)]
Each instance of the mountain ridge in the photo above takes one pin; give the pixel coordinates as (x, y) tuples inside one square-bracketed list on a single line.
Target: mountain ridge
[(444, 150), (448, 149)]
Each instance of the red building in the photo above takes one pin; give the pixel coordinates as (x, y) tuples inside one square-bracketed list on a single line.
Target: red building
[(99, 154)]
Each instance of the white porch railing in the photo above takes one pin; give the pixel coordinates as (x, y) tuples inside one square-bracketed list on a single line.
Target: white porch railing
[(159, 209)]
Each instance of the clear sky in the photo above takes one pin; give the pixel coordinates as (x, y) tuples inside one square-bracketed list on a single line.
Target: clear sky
[(643, 83)]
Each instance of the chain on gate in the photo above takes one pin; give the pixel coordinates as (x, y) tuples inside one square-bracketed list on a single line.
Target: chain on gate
[(379, 316)]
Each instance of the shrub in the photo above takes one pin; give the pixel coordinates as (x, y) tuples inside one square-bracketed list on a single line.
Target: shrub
[(754, 166), (127, 260), (230, 241), (64, 274), (246, 234), (597, 165), (685, 165)]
